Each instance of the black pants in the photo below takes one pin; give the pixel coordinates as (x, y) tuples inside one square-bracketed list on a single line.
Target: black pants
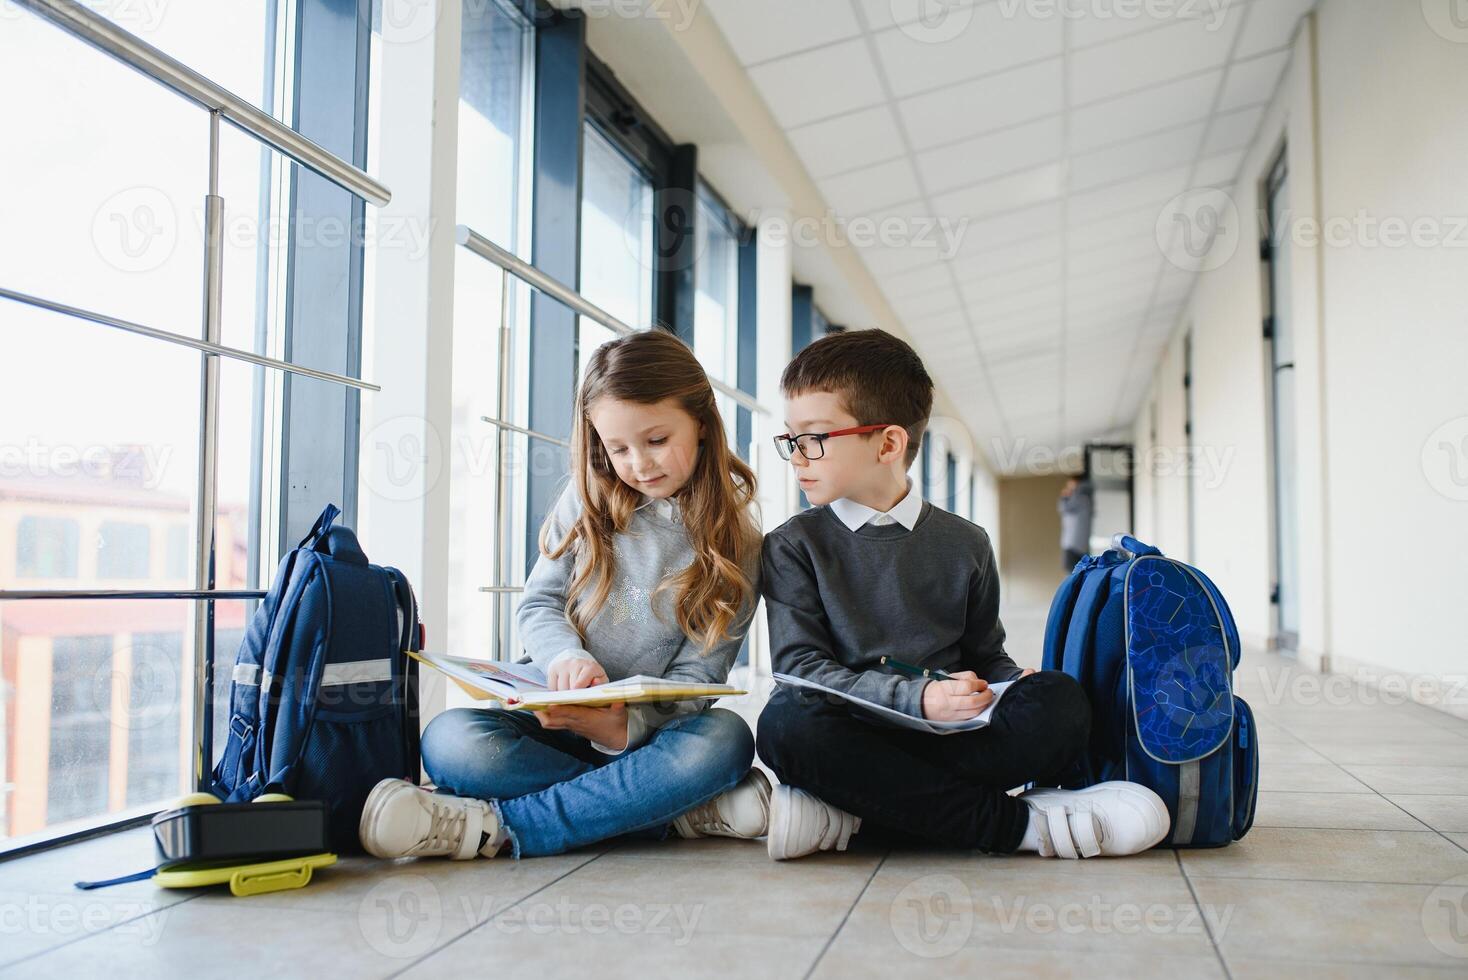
[(942, 789)]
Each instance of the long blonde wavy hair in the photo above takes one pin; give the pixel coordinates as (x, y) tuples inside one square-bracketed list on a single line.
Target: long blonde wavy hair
[(645, 368)]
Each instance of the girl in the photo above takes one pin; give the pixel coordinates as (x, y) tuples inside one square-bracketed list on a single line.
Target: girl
[(648, 565)]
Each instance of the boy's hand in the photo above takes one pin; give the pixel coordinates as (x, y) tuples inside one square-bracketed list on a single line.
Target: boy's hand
[(574, 673), (959, 698), (605, 726)]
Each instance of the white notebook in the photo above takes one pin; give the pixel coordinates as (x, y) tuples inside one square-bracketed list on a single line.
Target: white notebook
[(523, 686), (981, 720)]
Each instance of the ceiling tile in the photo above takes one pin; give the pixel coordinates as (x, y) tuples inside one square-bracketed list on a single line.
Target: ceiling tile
[(1116, 163), (1220, 170), (999, 330), (1118, 252), (928, 303), (1232, 130), (1038, 302), (1000, 261), (984, 104), (882, 14), (886, 260), (798, 89), (994, 284), (746, 24), (1141, 266), (991, 38), (1097, 23), (950, 324), (1009, 150), (1128, 195), (1147, 59), (1003, 194), (1147, 111), (863, 191), (844, 143), (1270, 24), (1251, 82), (1132, 294), (1006, 231), (1103, 234), (918, 280)]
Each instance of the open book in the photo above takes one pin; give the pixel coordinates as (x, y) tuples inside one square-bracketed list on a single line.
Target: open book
[(523, 686), (981, 720)]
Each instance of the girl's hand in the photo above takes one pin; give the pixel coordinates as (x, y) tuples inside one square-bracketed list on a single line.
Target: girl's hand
[(959, 698), (1026, 672), (574, 673), (604, 726)]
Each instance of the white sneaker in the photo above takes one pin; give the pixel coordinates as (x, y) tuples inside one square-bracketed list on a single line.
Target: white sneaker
[(404, 820), (801, 824), (742, 811), (1109, 819)]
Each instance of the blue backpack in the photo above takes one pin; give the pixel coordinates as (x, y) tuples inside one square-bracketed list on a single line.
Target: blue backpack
[(323, 700), (1154, 645)]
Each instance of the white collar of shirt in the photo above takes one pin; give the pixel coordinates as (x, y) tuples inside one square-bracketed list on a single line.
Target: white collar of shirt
[(664, 507), (904, 512)]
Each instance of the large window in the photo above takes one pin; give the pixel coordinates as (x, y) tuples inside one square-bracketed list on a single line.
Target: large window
[(494, 159), (716, 302), (716, 299), (617, 245), (100, 428)]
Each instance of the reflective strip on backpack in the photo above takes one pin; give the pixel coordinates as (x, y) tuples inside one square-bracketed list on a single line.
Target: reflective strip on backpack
[(356, 672), (246, 674), (1189, 775)]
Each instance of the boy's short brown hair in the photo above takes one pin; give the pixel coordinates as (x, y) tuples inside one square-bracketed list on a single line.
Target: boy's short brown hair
[(879, 379)]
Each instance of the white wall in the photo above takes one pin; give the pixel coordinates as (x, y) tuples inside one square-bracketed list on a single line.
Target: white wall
[(1381, 357), (1161, 490), (1393, 140)]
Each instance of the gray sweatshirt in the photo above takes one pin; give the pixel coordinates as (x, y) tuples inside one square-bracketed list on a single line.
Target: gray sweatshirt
[(839, 600), (630, 634)]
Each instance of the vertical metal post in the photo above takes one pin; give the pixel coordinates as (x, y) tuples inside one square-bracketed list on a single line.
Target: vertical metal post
[(206, 502), (502, 478)]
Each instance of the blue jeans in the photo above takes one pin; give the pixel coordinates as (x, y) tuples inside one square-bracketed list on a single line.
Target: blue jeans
[(553, 791)]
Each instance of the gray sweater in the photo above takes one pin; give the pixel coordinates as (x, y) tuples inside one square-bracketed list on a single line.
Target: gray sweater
[(839, 600), (630, 634)]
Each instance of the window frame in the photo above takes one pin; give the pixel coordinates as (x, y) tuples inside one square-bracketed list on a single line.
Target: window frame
[(328, 59)]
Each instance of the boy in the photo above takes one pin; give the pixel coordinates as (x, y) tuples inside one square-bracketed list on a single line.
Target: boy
[(872, 570)]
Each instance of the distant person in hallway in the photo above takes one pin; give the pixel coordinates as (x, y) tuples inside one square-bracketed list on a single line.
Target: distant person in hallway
[(872, 570), (649, 564), (1077, 504)]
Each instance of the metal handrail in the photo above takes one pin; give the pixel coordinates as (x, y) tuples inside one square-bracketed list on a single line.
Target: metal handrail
[(138, 54), (25, 595), (554, 288), (154, 333), (512, 427)]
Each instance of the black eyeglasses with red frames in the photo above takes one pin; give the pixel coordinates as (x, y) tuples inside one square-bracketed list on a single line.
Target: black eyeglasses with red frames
[(812, 445)]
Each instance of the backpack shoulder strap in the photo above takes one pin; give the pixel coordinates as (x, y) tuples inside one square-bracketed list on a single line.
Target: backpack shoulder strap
[(1057, 623)]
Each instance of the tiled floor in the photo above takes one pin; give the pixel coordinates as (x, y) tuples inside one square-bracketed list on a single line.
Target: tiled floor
[(1356, 867)]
